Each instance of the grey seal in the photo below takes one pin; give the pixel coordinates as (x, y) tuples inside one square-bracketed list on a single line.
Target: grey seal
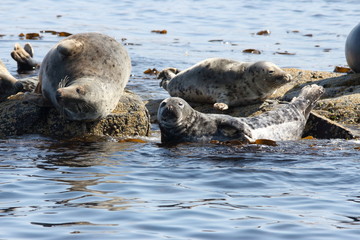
[(224, 82), (84, 75), (179, 122), (9, 85), (352, 49)]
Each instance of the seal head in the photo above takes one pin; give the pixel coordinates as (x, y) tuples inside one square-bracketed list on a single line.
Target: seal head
[(266, 75)]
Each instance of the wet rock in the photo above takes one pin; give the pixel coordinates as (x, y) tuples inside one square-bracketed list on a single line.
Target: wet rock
[(130, 118)]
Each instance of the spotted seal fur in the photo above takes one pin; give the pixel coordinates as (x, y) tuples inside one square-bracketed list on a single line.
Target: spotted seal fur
[(224, 82), (179, 122)]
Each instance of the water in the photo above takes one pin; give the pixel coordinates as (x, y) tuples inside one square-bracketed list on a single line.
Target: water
[(58, 189)]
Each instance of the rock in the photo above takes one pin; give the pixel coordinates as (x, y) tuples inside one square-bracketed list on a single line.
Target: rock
[(321, 127), (341, 101), (130, 118), (339, 106)]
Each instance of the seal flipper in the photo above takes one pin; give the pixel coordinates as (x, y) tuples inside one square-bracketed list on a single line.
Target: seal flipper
[(28, 48), (232, 129), (222, 103), (221, 106), (69, 47), (308, 97), (166, 75), (24, 58)]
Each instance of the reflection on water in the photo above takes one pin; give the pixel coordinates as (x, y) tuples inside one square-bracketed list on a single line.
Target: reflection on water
[(72, 189)]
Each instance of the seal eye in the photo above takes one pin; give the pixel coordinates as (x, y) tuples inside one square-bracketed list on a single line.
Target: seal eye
[(162, 104), (181, 104), (80, 90), (271, 72)]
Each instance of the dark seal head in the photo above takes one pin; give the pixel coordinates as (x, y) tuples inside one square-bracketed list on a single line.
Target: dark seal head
[(352, 49), (84, 75), (174, 113)]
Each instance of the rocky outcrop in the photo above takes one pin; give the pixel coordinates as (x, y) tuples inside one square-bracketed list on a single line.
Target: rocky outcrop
[(130, 118), (336, 115)]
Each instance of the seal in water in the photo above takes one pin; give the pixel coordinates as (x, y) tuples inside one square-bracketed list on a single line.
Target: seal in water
[(224, 82), (84, 75), (179, 122), (352, 49)]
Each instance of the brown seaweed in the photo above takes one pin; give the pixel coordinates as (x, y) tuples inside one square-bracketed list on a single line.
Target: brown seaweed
[(159, 31), (252, 51)]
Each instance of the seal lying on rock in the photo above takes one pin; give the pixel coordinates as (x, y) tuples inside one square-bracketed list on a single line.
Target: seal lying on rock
[(179, 122), (224, 82), (83, 75), (352, 49)]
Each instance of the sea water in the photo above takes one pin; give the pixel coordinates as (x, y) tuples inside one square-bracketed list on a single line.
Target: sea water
[(61, 189)]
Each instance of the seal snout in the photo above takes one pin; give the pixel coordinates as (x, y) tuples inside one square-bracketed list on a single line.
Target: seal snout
[(59, 95)]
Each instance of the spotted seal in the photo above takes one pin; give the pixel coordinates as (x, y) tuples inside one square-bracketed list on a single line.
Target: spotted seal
[(179, 122), (224, 82), (352, 49)]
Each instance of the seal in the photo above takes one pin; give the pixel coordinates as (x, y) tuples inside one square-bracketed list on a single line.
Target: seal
[(84, 75), (224, 82), (9, 85), (352, 49), (179, 122)]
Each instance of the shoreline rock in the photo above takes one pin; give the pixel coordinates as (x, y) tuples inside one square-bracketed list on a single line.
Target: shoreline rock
[(130, 118)]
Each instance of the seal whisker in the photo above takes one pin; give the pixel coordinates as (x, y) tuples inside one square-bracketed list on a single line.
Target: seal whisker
[(63, 82)]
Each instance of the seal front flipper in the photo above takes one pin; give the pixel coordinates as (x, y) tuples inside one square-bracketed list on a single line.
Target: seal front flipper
[(222, 102), (221, 106), (232, 129), (24, 58), (70, 47), (166, 75)]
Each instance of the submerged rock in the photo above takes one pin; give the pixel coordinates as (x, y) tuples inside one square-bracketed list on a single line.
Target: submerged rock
[(130, 118)]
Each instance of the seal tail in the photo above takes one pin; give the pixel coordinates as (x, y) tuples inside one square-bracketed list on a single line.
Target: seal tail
[(308, 97)]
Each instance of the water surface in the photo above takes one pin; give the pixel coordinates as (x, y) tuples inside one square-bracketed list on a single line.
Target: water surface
[(60, 189)]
